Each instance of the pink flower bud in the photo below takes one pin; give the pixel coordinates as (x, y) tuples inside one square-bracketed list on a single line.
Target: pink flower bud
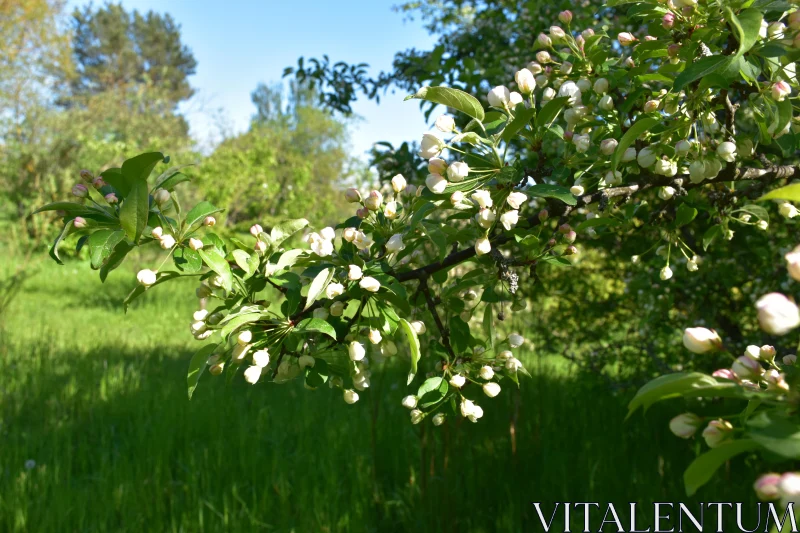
[(362, 212), (551, 243), (352, 195), (668, 21), (80, 190), (256, 230), (570, 236), (79, 222), (86, 175), (260, 247), (588, 32), (725, 373), (111, 198), (780, 90), (625, 38), (564, 228), (568, 135), (673, 49), (571, 250), (209, 221), (544, 41), (98, 183), (565, 17), (766, 487), (543, 214)]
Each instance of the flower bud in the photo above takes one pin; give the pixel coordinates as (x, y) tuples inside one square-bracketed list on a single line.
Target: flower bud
[(717, 432), (320, 313), (651, 105), (727, 151), (350, 396), (646, 157), (356, 351), (665, 193), (509, 219), (777, 314), (682, 147), (457, 197), (565, 17), (86, 175), (160, 197), (336, 308), (776, 30), (195, 244), (437, 166), (333, 290), (369, 284), (410, 401), (111, 198), (542, 57), (445, 124), (417, 416), (354, 273), (607, 146), (606, 103), (167, 242), (79, 222), (629, 155), (491, 389), (374, 336), (216, 369), (352, 195), (431, 145), (543, 214), (306, 361), (398, 183), (668, 21), (457, 172), (577, 190), (209, 221), (395, 243), (419, 327), (685, 425), (515, 340), (260, 247), (570, 237), (483, 198), (665, 274), (766, 487), (436, 183), (544, 42), (746, 368), (525, 81), (252, 374), (390, 210), (99, 183), (348, 234), (486, 373), (780, 90), (256, 230), (485, 218), (244, 337), (373, 201), (438, 419), (499, 96), (626, 38), (146, 277), (789, 359), (80, 190), (458, 381), (483, 246)]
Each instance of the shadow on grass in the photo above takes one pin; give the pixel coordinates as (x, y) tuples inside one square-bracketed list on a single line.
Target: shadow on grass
[(119, 447)]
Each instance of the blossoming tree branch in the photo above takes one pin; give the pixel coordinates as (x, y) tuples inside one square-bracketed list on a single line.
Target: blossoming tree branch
[(602, 132)]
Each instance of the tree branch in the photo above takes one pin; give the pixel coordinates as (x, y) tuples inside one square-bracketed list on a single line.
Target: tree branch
[(445, 334)]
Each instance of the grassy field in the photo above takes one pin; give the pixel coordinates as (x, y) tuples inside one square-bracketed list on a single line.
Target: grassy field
[(98, 400)]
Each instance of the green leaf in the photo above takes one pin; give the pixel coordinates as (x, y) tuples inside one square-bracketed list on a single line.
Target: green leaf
[(187, 260), (238, 321), (318, 325), (550, 111), (702, 469), (140, 289), (101, 244), (113, 176), (420, 214), (776, 434), (545, 190), (488, 325), (242, 259), (165, 178), (669, 386), (54, 249), (701, 68), (199, 212), (597, 222), (218, 264), (521, 119), (790, 193), (288, 259), (115, 259), (134, 211), (746, 26), (711, 235), (197, 365), (284, 230), (460, 336), (684, 215), (642, 125), (170, 183), (447, 96), (139, 168), (784, 114), (318, 285), (69, 207), (432, 391), (413, 343)]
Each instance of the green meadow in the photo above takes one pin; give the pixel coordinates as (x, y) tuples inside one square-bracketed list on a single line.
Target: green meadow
[(97, 399)]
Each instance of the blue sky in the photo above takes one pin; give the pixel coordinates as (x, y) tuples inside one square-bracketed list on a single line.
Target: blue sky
[(239, 43)]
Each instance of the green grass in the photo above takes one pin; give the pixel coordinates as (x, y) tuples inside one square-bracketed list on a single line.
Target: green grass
[(98, 399)]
